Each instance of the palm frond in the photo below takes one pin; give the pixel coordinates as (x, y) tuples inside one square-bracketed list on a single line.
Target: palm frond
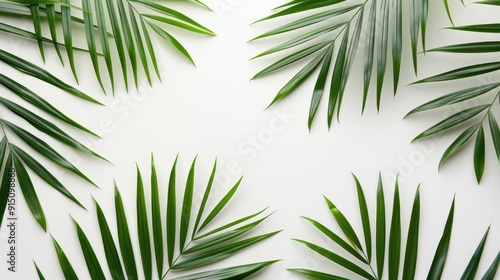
[(183, 251), (130, 24), (473, 118), (363, 266), (18, 159), (329, 39)]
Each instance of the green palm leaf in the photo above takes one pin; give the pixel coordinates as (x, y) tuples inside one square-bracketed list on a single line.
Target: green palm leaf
[(337, 28), (130, 26), (24, 159), (486, 114), (127, 21), (199, 250), (364, 267)]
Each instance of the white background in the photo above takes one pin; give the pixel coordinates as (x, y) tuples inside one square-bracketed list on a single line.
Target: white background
[(213, 110)]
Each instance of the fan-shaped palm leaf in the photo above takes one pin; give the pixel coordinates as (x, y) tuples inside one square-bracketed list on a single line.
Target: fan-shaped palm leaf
[(126, 22), (363, 265), (188, 245), (330, 37), (473, 118)]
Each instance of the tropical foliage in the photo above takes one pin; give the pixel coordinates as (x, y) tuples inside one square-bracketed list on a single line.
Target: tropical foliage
[(330, 39), (370, 258), (12, 155), (130, 22), (119, 27), (475, 114), (190, 240)]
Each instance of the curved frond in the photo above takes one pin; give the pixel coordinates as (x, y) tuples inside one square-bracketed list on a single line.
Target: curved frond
[(111, 28), (472, 118), (21, 150), (328, 37), (184, 251), (363, 266)]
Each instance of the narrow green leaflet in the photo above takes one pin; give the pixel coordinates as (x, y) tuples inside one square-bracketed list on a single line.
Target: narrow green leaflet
[(492, 270), (485, 28), (66, 267), (337, 77), (68, 35), (43, 173), (229, 225), (45, 150), (337, 239), (337, 259), (397, 40), (34, 99), (39, 272), (236, 272), (369, 51), (299, 78), (51, 19), (471, 270), (222, 252), (458, 143), (297, 56), (301, 7), (365, 217), (108, 243), (319, 88), (204, 200), (475, 47), (124, 238), (380, 228), (223, 237), (139, 43), (171, 40), (187, 207), (143, 228), (452, 121), (439, 260), (464, 72), (117, 32), (6, 175), (455, 97), (382, 50), (156, 219), (395, 236), (31, 69), (411, 252), (171, 220), (127, 36), (344, 224), (29, 193), (479, 154), (307, 21), (104, 40), (91, 43), (47, 127), (495, 133), (447, 7), (312, 274), (35, 15), (301, 39), (222, 203), (93, 266)]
